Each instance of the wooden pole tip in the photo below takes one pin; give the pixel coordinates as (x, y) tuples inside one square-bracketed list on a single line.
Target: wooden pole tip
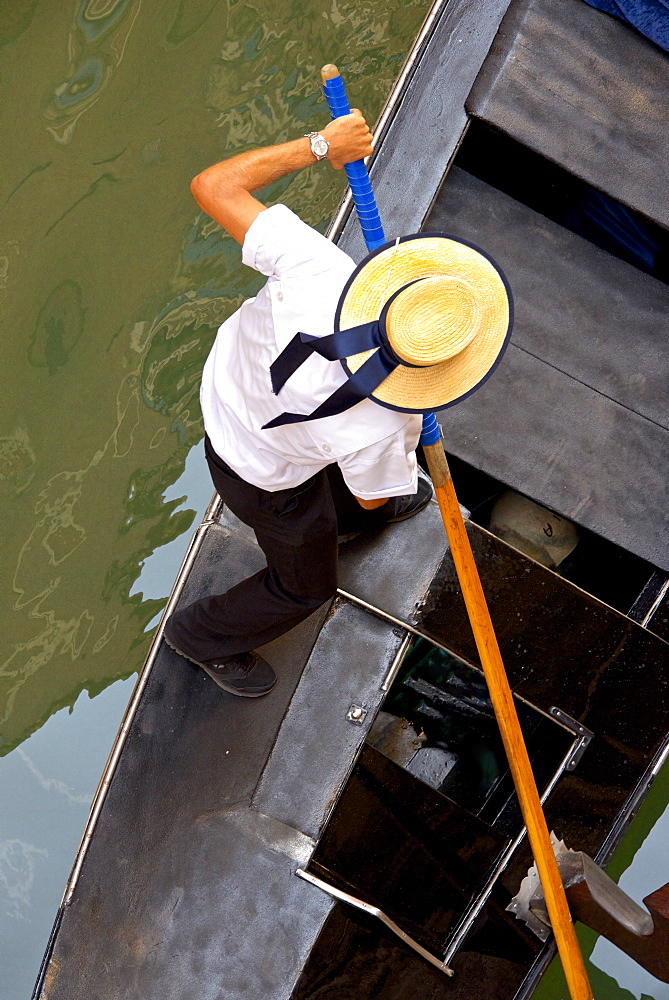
[(329, 72)]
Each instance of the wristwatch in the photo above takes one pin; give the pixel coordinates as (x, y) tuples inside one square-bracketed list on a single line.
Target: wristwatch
[(319, 145)]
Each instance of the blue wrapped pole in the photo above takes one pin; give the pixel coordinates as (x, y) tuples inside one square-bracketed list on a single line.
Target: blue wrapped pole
[(358, 178), (365, 204), (431, 431)]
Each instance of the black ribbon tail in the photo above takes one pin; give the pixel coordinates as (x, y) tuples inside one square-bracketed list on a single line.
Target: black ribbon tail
[(292, 356), (343, 343), (333, 347), (357, 387)]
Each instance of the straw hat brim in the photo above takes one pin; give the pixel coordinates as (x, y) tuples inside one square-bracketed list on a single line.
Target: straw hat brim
[(426, 255)]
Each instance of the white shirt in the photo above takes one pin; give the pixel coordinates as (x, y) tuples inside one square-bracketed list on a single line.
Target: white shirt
[(373, 446)]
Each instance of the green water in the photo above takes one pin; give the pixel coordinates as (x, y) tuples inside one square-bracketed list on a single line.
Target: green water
[(112, 285)]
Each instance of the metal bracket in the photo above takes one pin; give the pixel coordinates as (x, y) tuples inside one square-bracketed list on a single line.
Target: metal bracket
[(356, 714), (374, 911), (642, 932), (584, 734), (520, 904)]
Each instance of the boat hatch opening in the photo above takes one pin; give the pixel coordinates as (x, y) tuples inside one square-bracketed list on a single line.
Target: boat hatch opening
[(429, 816), (459, 752), (600, 567), (542, 185)]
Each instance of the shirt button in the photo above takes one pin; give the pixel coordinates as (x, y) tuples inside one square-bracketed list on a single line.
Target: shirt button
[(279, 296), (327, 449)]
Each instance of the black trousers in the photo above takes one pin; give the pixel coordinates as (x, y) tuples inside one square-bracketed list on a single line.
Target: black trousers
[(297, 530)]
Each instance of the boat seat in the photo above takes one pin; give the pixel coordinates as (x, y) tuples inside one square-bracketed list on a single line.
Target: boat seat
[(576, 416), (586, 91)]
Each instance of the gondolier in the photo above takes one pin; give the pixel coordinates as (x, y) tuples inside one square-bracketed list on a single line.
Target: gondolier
[(312, 393), (299, 485)]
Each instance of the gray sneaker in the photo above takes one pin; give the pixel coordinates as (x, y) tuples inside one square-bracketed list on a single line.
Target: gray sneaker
[(411, 503), (246, 675)]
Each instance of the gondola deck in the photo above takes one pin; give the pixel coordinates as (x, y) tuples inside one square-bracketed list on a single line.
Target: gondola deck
[(188, 886)]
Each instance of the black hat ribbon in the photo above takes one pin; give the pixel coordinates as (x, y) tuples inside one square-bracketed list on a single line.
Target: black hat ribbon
[(333, 347)]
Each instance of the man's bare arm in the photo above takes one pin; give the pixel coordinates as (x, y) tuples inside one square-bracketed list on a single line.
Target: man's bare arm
[(224, 191)]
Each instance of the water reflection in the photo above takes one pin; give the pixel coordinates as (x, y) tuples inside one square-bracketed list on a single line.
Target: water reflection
[(192, 492), (17, 875), (648, 871), (46, 787), (112, 286), (95, 46), (59, 327), (15, 20)]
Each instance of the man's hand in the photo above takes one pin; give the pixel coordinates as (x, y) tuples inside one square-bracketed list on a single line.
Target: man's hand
[(224, 190), (349, 138)]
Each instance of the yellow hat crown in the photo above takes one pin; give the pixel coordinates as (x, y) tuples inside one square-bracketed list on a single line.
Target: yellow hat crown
[(433, 319)]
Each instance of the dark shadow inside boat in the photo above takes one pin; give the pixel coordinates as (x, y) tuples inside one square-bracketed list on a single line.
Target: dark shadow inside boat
[(421, 850), (549, 189), (600, 567), (455, 744)]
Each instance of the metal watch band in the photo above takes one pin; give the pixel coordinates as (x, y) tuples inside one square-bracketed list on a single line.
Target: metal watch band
[(316, 139)]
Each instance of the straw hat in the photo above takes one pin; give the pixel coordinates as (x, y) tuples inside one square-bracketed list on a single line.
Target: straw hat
[(447, 312)]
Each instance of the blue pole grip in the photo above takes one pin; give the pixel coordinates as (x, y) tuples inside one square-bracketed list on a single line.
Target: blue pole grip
[(368, 213), (358, 178), (431, 432)]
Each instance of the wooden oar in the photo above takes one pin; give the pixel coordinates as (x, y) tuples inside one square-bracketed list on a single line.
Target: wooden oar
[(491, 660), (509, 726)]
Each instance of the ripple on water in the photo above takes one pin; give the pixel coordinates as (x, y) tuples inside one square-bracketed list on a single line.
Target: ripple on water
[(95, 47)]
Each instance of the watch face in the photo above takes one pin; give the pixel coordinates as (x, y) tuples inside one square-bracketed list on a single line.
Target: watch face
[(320, 147)]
